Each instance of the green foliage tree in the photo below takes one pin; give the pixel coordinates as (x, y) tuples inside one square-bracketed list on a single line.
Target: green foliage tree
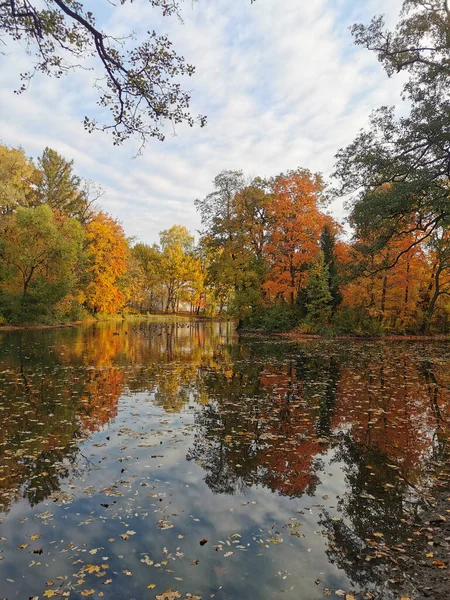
[(39, 255), (319, 298), (18, 177), (327, 244), (235, 232), (58, 186), (398, 169)]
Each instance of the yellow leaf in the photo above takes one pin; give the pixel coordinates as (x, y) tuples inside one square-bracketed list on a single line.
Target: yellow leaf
[(92, 568), (36, 536), (49, 594), (87, 592), (378, 535), (151, 586)]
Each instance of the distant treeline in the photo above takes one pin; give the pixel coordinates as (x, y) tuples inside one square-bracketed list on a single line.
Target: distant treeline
[(269, 256)]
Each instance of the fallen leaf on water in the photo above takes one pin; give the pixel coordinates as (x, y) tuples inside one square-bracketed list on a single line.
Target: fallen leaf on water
[(88, 593), (92, 568), (169, 595), (36, 536), (49, 594), (203, 541), (151, 586)]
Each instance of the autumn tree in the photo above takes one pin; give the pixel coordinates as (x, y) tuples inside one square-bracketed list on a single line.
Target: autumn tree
[(149, 260), (295, 225), (178, 264), (106, 254), (18, 176)]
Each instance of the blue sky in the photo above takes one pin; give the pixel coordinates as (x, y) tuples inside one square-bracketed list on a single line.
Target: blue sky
[(279, 80)]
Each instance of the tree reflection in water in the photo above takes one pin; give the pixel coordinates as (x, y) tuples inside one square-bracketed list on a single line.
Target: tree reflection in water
[(269, 413)]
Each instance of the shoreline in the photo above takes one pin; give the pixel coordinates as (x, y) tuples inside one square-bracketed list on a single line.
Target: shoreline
[(112, 319), (295, 336)]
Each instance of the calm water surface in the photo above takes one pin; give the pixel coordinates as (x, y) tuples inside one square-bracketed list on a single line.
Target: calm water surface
[(143, 457)]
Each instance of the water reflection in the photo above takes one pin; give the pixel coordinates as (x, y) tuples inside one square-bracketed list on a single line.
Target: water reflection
[(360, 429)]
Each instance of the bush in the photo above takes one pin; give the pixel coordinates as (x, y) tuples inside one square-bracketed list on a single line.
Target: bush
[(356, 320), (277, 318)]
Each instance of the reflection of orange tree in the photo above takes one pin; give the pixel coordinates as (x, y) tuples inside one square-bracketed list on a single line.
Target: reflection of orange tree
[(393, 412), (388, 407), (262, 426), (101, 397), (290, 458), (97, 346)]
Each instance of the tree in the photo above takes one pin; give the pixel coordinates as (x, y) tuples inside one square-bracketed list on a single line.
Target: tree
[(327, 244), (139, 84), (319, 298), (40, 255), (234, 216), (149, 261), (18, 177), (439, 276), (295, 225), (106, 254), (58, 186), (178, 263), (419, 45), (217, 209), (398, 169)]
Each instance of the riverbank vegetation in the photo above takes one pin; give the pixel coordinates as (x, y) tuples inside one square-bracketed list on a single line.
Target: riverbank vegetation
[(269, 256)]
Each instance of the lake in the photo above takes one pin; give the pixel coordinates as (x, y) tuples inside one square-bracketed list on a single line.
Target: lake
[(174, 459)]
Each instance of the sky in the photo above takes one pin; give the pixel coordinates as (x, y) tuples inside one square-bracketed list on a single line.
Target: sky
[(279, 80)]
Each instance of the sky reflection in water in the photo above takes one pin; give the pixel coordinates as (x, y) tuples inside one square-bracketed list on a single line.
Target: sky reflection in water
[(122, 446)]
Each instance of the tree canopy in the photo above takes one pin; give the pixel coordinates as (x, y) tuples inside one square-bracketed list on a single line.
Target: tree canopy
[(139, 84), (398, 169)]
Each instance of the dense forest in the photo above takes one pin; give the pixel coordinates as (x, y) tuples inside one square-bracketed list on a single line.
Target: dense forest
[(269, 255)]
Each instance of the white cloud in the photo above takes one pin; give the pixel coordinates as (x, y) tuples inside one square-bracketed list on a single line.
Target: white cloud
[(280, 82)]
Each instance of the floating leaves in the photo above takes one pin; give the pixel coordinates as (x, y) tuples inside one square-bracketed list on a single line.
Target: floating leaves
[(169, 595)]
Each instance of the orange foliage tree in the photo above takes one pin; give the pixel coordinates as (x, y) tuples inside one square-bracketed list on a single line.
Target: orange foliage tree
[(295, 224)]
